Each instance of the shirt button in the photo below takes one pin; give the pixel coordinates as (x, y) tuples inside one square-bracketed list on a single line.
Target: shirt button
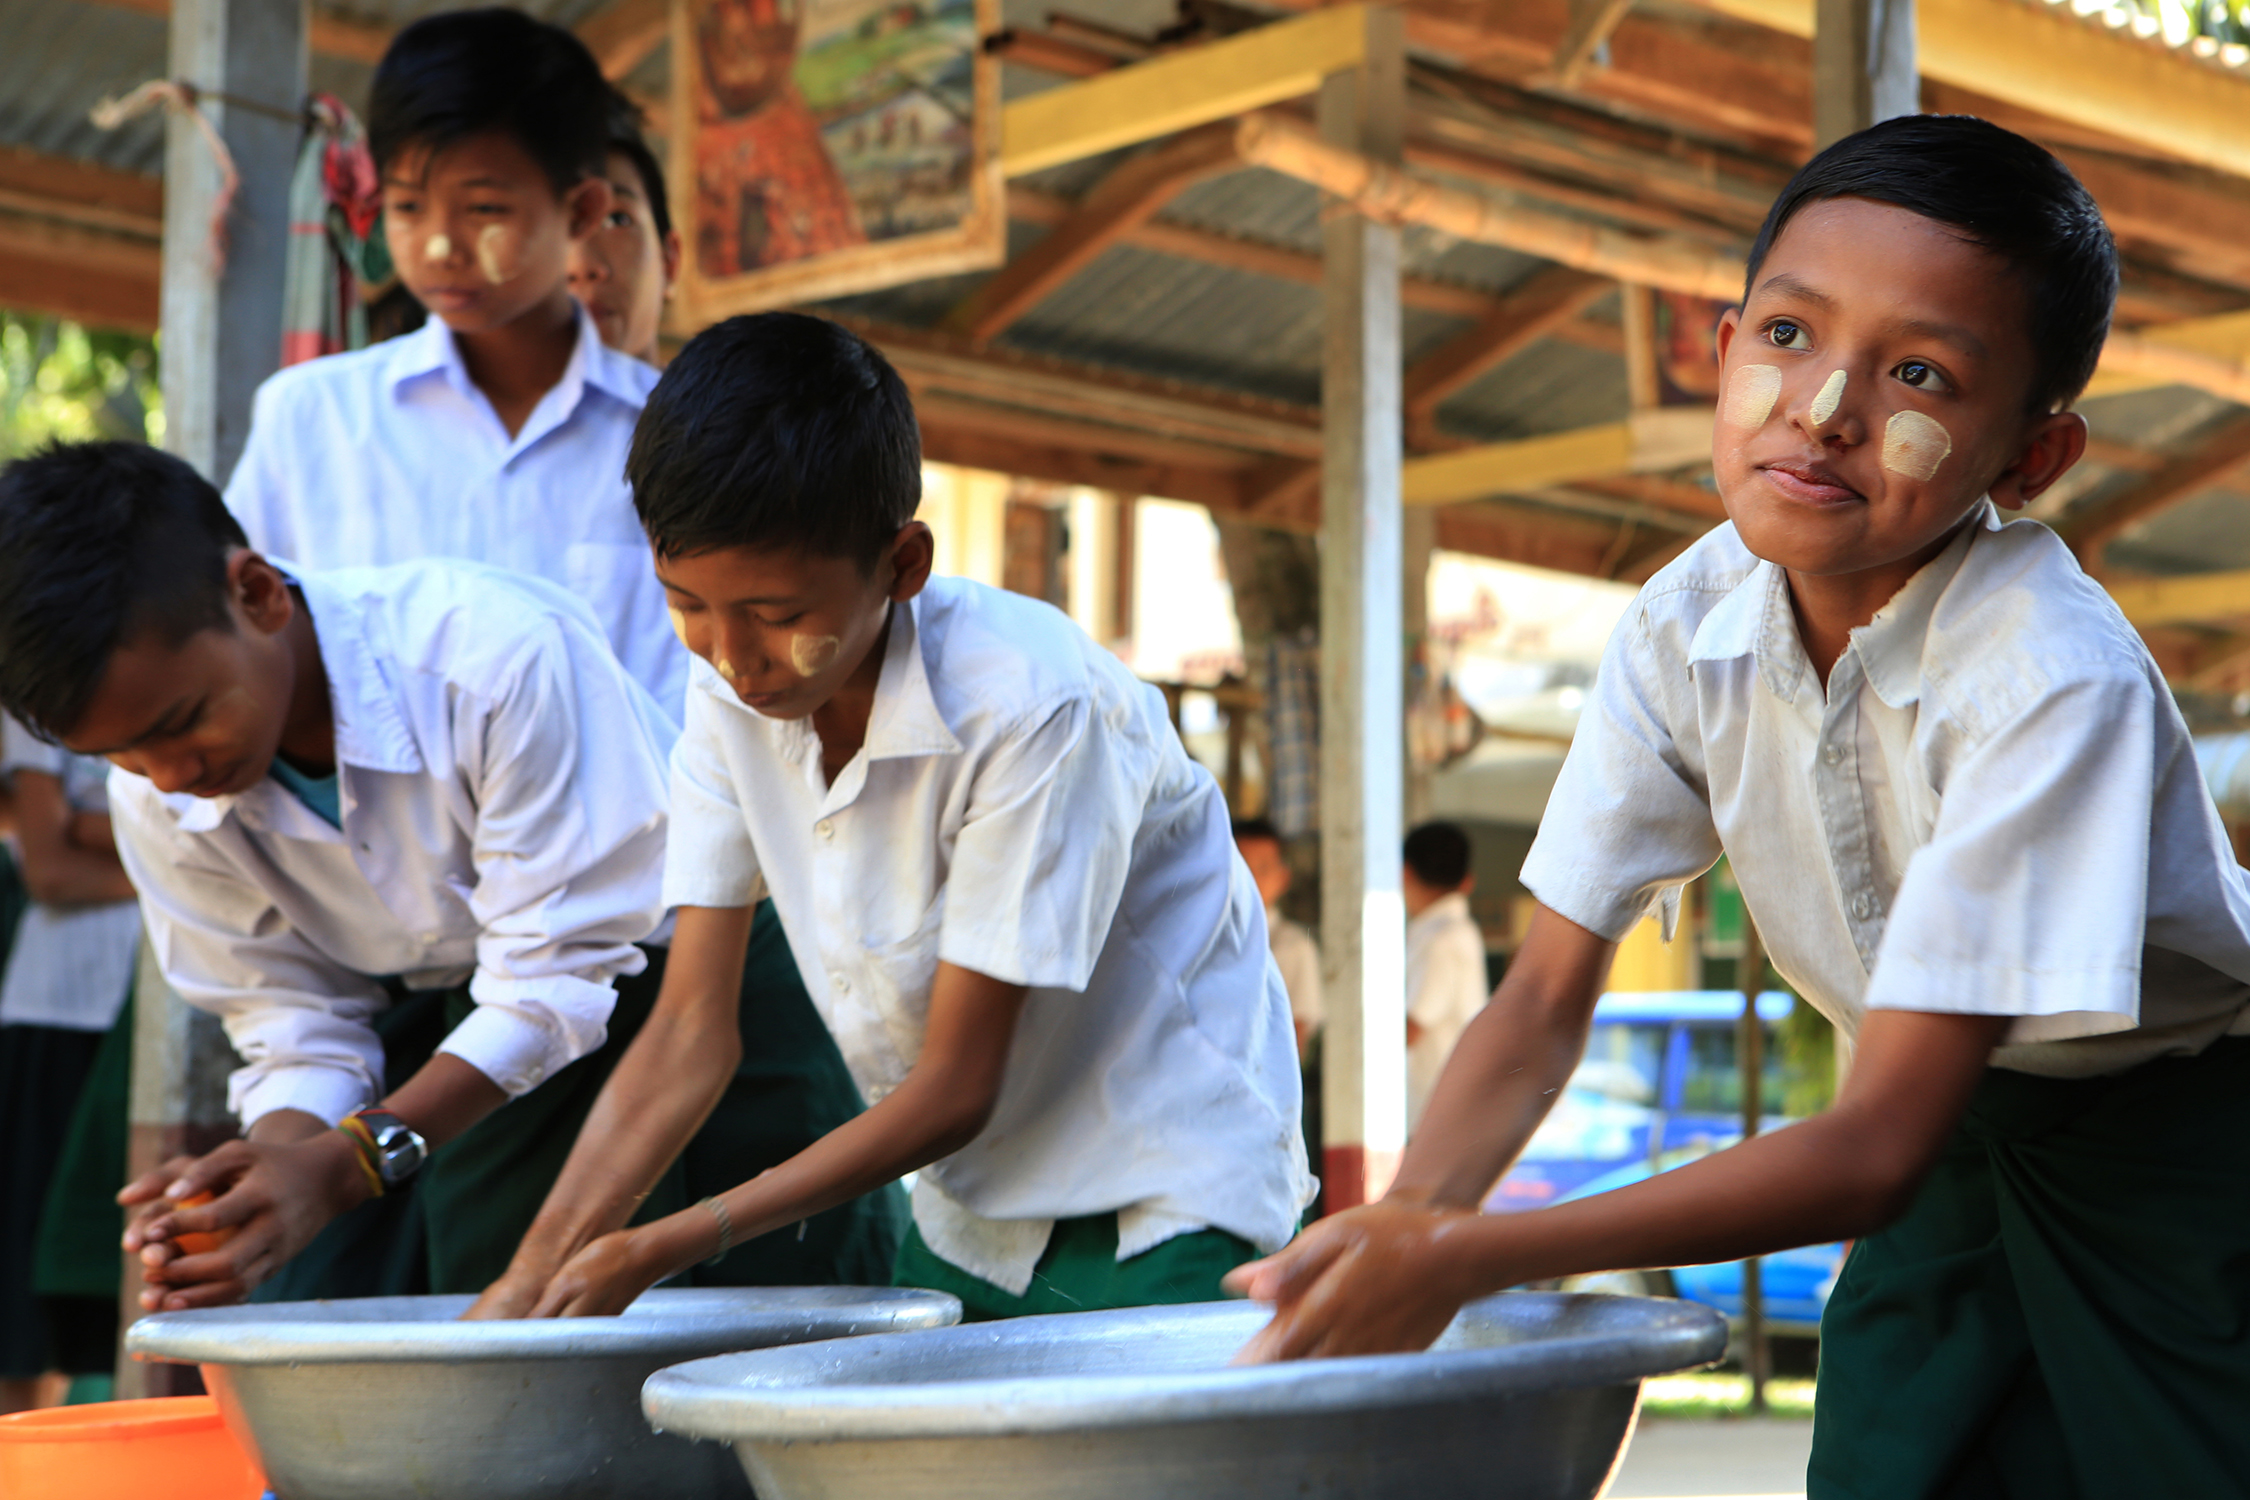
[(826, 828), (1863, 906), (1832, 755), (839, 984)]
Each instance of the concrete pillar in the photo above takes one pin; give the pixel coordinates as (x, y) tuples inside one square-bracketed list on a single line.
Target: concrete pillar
[(1863, 65), (1363, 922)]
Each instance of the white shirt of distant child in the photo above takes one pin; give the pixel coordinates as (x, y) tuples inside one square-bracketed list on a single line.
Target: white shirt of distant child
[(501, 784), (1445, 988), (1994, 809), (1023, 809), (391, 453), (71, 966)]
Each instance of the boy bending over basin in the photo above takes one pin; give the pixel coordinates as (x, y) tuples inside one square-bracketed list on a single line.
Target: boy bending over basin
[(427, 793), (1967, 818), (1014, 897)]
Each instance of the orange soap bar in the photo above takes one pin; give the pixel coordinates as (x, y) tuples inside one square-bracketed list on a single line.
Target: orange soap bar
[(201, 1244)]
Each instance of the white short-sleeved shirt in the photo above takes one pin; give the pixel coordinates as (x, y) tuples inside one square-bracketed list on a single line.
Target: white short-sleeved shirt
[(70, 966), (502, 788), (1296, 953), (1022, 808), (391, 453), (1994, 808), (1445, 988)]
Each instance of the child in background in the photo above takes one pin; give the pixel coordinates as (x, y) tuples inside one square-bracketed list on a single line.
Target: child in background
[(1295, 953), (1014, 894), (67, 977), (624, 271), (1966, 815), (498, 433), (1445, 974)]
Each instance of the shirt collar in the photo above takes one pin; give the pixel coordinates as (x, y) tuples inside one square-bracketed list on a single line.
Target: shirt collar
[(432, 350), (1754, 620), (1450, 907), (1890, 646), (905, 720)]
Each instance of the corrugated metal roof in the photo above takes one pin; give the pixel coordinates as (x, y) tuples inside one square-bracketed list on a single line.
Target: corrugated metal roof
[(63, 56)]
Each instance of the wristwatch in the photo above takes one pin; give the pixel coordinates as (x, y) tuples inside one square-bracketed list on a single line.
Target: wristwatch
[(399, 1152)]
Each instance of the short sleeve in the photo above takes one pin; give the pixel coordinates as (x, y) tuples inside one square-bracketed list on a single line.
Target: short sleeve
[(708, 857), (1039, 865), (2031, 897), (1628, 819)]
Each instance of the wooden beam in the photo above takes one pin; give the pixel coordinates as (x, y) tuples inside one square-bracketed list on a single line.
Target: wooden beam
[(1048, 53), (1124, 200), (2212, 354), (1671, 437), (1094, 437), (1591, 22), (2196, 599), (82, 191), (623, 34), (1547, 299), (89, 250), (977, 448), (2219, 457), (65, 287), (1659, 493), (1540, 538), (1180, 90)]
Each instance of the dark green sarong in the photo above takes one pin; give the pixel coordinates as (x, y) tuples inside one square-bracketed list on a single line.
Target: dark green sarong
[(2064, 1312)]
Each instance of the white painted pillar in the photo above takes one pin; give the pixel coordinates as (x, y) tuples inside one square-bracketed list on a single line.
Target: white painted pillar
[(1863, 65), (221, 337), (1362, 720)]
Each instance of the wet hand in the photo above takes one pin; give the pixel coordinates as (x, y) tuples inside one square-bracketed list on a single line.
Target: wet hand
[(602, 1279), (514, 1295), (262, 1204), (1381, 1279)]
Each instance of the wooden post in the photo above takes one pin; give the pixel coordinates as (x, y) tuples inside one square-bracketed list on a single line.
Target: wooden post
[(1418, 541), (1750, 1057), (221, 337), (1362, 714), (1863, 65)]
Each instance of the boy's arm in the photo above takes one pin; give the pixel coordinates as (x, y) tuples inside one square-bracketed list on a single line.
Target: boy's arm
[(57, 869), (940, 1106), (1391, 1276)]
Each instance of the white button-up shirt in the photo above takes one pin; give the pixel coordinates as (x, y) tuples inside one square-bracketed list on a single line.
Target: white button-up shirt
[(502, 785), (1993, 809), (70, 966), (391, 453), (1021, 808), (1445, 988)]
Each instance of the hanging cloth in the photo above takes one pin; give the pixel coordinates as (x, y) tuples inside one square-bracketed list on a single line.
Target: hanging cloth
[(338, 260)]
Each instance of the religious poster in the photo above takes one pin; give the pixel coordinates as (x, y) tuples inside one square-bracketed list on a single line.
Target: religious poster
[(832, 146)]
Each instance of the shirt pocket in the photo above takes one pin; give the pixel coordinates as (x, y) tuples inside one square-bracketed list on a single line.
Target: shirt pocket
[(899, 975)]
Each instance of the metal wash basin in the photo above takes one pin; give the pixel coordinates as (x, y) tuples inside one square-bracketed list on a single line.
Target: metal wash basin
[(1529, 1394), (394, 1398)]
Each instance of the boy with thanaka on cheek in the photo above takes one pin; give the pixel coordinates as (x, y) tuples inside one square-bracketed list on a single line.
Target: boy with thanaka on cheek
[(1966, 816), (1015, 899)]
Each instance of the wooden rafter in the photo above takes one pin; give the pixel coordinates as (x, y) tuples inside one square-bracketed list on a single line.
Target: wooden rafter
[(2218, 457), (2196, 599), (81, 193), (1591, 22), (1547, 299), (1124, 200), (623, 34)]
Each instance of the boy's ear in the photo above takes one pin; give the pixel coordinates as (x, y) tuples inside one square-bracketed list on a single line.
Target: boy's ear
[(2056, 443), (1730, 323), (587, 205), (259, 591), (912, 554)]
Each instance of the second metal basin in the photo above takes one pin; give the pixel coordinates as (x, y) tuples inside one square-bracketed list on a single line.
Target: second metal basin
[(394, 1398), (1529, 1395)]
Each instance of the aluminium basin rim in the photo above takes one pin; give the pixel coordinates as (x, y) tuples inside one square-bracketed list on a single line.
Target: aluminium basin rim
[(265, 1335), (715, 1399)]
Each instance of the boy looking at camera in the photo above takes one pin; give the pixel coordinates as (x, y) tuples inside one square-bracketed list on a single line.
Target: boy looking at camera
[(1015, 898), (1965, 814)]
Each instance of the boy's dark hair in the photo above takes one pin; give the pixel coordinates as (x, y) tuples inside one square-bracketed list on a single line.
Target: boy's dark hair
[(777, 430), (1438, 854), (626, 139), (100, 543), (1256, 828), (463, 73), (2001, 192)]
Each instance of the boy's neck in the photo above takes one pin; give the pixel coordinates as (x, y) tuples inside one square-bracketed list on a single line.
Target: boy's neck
[(1829, 608), (842, 721), (518, 363), (308, 735)]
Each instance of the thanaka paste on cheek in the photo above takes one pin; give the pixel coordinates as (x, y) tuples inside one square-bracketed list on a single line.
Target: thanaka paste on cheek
[(1914, 445), (436, 249), (679, 626), (813, 654), (496, 253), (1831, 396), (1751, 393)]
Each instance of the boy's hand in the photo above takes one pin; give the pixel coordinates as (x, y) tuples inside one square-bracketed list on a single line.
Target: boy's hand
[(1380, 1279), (601, 1280), (275, 1197)]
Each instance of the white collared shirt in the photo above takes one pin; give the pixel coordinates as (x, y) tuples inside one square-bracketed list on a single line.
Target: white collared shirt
[(70, 966), (1994, 809), (1445, 988), (391, 453), (1021, 808), (502, 787), (1296, 953)]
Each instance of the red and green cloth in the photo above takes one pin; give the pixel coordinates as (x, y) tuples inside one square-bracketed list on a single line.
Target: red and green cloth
[(338, 259)]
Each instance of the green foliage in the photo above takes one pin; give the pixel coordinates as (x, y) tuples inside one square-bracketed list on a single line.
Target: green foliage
[(1807, 1043), (59, 381), (2180, 22)]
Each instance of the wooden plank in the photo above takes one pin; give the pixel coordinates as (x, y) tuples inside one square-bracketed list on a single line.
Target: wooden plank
[(1671, 437), (1547, 299), (61, 245), (1591, 22), (2197, 599), (1127, 198), (980, 449), (68, 187), (1064, 432), (1180, 90), (65, 287), (623, 34), (2220, 457)]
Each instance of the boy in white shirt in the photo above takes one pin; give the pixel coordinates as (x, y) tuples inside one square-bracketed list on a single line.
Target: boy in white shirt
[(1295, 951), (1445, 973), (1965, 813), (338, 793), (1013, 895)]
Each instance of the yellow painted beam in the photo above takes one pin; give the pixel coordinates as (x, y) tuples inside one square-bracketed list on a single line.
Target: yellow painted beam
[(2198, 599), (1666, 439), (2045, 59), (1180, 90)]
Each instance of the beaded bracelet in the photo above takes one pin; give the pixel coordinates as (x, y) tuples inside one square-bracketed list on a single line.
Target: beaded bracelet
[(363, 1141), (726, 1229)]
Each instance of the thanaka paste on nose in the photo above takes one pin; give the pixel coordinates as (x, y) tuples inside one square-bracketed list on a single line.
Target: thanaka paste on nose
[(436, 249), (1914, 445), (1751, 393), (679, 625), (1831, 396)]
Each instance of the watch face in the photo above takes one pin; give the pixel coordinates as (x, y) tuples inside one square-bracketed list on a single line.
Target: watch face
[(399, 1151)]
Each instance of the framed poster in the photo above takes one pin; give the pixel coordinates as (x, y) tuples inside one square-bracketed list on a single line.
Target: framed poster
[(832, 146)]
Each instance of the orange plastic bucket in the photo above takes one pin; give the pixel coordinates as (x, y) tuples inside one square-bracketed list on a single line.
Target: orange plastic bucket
[(175, 1448)]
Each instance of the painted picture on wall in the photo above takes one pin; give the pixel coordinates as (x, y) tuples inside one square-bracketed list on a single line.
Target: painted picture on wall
[(833, 146)]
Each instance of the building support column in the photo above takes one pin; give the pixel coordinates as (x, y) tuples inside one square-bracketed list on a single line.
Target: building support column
[(221, 337), (1362, 710), (1863, 66)]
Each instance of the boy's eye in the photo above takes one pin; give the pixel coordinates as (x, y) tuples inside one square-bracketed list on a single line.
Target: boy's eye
[(1921, 376), (619, 219), (1783, 334)]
